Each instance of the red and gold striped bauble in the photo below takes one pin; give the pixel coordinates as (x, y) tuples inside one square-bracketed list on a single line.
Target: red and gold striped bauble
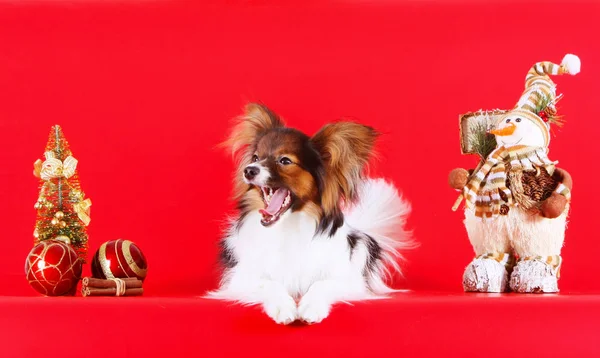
[(53, 268), (119, 259)]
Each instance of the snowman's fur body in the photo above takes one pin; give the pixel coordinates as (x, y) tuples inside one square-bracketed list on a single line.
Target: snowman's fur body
[(521, 233)]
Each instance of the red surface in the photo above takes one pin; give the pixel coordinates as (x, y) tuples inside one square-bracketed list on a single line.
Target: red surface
[(145, 90), (410, 325)]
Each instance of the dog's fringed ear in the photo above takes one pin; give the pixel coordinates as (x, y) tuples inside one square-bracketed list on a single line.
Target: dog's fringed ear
[(345, 149), (248, 128), (256, 120)]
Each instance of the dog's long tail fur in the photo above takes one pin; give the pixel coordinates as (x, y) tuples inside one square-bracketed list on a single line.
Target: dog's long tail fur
[(381, 213)]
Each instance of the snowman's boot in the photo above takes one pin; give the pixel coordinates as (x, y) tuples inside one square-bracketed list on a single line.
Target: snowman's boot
[(489, 271), (536, 275), (537, 242)]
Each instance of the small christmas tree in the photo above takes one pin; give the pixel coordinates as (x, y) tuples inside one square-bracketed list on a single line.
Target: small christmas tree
[(62, 211)]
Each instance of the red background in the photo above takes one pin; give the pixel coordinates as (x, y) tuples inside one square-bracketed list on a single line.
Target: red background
[(145, 90)]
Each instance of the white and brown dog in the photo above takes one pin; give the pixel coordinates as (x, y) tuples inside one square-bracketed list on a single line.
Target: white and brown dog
[(311, 229)]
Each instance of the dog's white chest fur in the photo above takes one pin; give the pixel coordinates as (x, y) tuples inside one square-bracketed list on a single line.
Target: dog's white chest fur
[(296, 272), (289, 252)]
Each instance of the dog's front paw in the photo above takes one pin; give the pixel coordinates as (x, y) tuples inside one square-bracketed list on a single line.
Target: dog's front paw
[(281, 309), (313, 308)]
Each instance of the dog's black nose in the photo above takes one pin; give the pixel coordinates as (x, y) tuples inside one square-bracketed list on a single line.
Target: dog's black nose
[(251, 172)]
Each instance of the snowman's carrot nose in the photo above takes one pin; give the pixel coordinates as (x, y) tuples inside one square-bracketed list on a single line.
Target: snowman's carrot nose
[(508, 130)]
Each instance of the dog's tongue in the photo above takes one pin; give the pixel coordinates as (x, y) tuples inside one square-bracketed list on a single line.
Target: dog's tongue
[(276, 201)]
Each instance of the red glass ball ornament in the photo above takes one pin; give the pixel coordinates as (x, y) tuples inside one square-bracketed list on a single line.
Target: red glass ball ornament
[(53, 268), (119, 259)]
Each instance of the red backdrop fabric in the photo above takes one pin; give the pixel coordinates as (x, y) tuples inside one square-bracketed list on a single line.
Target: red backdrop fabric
[(145, 91)]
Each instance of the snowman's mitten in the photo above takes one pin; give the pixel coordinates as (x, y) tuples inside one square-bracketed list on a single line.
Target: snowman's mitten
[(458, 178), (555, 205), (563, 176)]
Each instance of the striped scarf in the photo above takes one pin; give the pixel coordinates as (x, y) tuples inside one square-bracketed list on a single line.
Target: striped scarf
[(487, 191)]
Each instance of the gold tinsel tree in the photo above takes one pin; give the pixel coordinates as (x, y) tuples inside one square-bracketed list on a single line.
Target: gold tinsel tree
[(62, 211)]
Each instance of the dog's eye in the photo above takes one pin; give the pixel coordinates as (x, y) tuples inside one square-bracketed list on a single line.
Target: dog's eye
[(285, 161), (254, 158), (518, 120)]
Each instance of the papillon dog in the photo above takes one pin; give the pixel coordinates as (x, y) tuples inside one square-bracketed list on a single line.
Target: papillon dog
[(312, 230)]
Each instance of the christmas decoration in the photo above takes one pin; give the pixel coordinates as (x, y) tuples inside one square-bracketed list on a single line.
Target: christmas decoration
[(111, 287), (62, 209), (119, 259), (53, 268), (517, 200)]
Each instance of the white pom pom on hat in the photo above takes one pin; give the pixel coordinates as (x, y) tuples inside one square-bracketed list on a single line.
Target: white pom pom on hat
[(572, 64)]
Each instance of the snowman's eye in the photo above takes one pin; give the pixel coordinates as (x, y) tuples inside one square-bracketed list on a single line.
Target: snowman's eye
[(518, 120), (508, 120)]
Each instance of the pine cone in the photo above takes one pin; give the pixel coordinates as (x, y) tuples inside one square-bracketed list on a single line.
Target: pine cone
[(538, 185)]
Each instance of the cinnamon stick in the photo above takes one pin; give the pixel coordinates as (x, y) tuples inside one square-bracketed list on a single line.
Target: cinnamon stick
[(130, 282), (92, 291)]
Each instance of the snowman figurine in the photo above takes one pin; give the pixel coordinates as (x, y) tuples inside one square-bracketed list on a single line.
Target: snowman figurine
[(517, 200)]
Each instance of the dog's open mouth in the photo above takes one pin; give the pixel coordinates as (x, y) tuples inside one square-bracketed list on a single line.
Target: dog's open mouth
[(277, 201)]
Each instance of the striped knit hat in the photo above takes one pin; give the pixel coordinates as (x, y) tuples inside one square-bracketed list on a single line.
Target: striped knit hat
[(537, 103)]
